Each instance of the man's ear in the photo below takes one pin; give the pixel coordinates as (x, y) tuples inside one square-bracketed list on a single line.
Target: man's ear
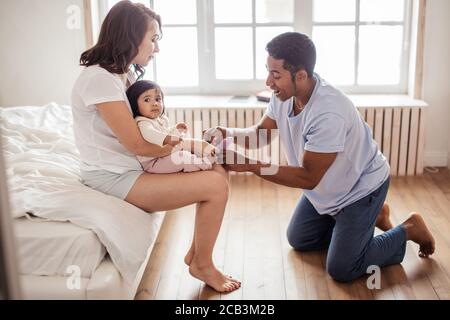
[(301, 75)]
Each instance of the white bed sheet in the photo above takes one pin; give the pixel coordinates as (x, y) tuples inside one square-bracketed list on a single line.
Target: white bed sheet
[(52, 248), (44, 179)]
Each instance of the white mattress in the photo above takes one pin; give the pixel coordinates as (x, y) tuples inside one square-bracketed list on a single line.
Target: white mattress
[(49, 248), (106, 283)]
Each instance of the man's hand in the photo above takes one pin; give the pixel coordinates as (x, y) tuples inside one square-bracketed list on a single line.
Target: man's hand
[(235, 161), (236, 167), (215, 134)]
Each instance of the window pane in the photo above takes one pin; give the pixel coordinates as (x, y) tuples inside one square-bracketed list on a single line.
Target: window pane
[(234, 53), (335, 47), (177, 63), (185, 13), (233, 11), (263, 36), (380, 53), (382, 10), (334, 11), (274, 11)]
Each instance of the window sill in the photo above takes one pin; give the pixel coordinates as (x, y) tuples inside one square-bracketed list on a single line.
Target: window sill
[(385, 101), (211, 102), (221, 102)]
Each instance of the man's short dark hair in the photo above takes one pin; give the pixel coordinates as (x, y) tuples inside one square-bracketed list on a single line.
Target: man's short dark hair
[(297, 51)]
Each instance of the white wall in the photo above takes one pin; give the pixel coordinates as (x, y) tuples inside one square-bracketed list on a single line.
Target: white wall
[(436, 82), (39, 62), (39, 54)]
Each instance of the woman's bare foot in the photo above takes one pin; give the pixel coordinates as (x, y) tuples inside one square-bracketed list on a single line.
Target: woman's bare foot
[(383, 220), (417, 231), (213, 277), (188, 257)]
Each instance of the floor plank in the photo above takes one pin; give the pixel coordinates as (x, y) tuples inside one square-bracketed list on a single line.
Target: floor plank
[(252, 246)]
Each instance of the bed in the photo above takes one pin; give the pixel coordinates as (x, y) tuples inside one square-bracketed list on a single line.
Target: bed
[(72, 242)]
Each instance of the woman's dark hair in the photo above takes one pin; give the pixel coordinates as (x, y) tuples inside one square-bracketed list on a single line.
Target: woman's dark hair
[(121, 34), (138, 88), (297, 51)]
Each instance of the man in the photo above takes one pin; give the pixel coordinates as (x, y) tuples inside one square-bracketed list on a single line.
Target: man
[(331, 156)]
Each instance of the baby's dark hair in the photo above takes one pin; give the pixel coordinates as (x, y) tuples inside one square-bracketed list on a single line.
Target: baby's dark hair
[(138, 88)]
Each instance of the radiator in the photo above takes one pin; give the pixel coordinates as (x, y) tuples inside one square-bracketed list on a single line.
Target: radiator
[(399, 132)]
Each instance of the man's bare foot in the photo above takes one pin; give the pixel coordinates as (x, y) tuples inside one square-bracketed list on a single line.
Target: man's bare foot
[(417, 231), (383, 220), (214, 278)]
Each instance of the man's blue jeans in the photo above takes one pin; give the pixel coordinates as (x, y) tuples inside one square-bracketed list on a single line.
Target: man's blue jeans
[(348, 235)]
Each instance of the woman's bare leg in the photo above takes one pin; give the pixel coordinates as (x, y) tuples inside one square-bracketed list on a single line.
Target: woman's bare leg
[(190, 254), (202, 267), (153, 192)]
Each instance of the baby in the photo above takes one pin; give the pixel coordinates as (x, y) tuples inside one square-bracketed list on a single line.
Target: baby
[(147, 103)]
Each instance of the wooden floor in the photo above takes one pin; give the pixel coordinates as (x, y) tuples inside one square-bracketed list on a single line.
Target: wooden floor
[(252, 246)]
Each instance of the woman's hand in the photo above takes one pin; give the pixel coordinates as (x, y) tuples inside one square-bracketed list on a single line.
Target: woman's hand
[(172, 140), (168, 149)]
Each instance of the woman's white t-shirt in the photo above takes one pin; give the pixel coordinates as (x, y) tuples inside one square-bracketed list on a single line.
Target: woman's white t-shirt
[(99, 148)]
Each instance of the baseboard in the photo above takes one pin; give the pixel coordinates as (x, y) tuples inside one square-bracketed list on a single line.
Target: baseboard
[(436, 159)]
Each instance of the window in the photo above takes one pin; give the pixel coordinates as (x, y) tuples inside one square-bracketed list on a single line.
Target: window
[(362, 44), (241, 35), (218, 46), (178, 67)]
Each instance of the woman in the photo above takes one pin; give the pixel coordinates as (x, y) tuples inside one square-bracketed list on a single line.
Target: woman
[(109, 140)]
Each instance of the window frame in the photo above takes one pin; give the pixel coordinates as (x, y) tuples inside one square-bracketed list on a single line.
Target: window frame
[(303, 22)]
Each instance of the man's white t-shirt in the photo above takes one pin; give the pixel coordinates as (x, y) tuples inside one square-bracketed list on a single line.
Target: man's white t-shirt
[(330, 123), (99, 148)]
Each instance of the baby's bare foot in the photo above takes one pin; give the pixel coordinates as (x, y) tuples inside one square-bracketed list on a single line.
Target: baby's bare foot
[(383, 220), (214, 278), (417, 231)]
